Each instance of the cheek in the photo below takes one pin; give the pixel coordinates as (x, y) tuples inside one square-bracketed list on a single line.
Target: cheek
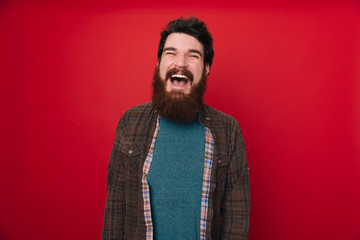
[(198, 73), (162, 71), (163, 67)]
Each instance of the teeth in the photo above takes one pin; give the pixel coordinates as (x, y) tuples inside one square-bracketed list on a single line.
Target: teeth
[(178, 76)]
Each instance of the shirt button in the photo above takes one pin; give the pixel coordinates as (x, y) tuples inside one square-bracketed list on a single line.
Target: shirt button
[(219, 161), (130, 152)]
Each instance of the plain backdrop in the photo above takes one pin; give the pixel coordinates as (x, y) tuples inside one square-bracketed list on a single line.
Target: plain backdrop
[(288, 71)]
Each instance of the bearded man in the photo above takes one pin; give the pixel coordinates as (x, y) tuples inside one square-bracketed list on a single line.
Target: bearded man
[(178, 167)]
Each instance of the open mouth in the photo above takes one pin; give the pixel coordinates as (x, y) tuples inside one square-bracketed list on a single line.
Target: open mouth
[(179, 80)]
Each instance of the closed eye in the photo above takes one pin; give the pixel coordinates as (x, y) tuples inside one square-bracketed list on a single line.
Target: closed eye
[(193, 53), (169, 51), (194, 56)]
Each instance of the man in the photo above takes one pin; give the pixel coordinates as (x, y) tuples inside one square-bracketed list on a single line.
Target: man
[(178, 167)]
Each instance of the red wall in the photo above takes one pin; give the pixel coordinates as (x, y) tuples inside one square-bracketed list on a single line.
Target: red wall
[(289, 73)]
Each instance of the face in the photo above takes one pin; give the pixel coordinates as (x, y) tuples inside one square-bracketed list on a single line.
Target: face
[(182, 63)]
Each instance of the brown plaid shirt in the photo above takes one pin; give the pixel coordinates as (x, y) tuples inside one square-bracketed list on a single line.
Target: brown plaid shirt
[(229, 195)]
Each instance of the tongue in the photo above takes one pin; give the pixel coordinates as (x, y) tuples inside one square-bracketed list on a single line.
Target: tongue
[(179, 83)]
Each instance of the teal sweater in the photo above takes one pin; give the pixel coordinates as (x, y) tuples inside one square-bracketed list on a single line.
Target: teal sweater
[(175, 180)]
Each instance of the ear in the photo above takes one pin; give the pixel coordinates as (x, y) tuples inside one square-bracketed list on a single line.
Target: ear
[(207, 69)]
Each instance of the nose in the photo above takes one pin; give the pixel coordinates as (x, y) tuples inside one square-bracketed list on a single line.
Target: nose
[(181, 61)]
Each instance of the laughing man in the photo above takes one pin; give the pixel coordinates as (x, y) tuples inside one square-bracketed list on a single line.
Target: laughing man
[(178, 167)]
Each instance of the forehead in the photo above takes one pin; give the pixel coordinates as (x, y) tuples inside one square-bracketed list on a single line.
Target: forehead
[(183, 42)]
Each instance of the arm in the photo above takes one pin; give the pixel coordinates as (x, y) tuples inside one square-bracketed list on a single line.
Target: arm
[(236, 205), (114, 219)]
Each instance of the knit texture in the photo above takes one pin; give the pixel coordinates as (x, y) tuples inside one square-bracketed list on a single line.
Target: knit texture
[(175, 179)]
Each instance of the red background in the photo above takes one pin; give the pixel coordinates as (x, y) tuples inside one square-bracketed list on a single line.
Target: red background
[(289, 73)]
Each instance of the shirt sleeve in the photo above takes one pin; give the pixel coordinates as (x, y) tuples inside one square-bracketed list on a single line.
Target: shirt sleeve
[(114, 218), (236, 204)]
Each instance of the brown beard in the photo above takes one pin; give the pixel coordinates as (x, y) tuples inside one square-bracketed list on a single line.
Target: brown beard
[(176, 105)]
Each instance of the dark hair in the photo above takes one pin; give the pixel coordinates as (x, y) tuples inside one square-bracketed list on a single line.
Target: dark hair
[(194, 27)]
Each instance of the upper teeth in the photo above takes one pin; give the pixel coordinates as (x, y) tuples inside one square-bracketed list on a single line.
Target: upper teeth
[(178, 76)]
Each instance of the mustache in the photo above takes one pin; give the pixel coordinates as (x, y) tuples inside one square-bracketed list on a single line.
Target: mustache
[(183, 71)]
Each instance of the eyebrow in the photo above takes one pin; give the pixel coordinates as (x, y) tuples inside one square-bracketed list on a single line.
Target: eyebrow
[(195, 51), (190, 50)]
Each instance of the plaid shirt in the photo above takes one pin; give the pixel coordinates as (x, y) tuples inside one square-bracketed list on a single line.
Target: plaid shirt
[(209, 148), (227, 194)]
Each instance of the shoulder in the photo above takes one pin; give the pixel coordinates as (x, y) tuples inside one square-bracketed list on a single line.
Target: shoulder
[(139, 110), (218, 117), (137, 116), (225, 127)]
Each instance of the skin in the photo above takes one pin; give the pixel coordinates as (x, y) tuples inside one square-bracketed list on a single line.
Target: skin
[(182, 51)]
